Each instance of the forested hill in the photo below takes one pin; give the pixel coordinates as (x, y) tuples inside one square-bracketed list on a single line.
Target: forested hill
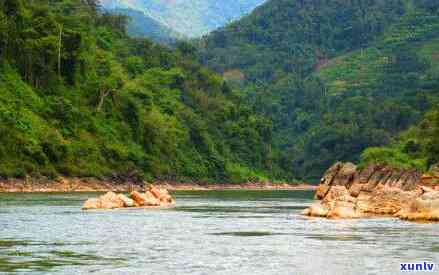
[(285, 36), (78, 97), (192, 18), (335, 77), (308, 83), (140, 25)]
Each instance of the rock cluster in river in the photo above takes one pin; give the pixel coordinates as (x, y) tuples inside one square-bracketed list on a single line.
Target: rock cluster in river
[(152, 198), (348, 192)]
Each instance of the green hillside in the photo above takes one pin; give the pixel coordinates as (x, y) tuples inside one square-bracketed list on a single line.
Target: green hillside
[(140, 25), (335, 77), (284, 36), (78, 97), (192, 18), (416, 147), (307, 83)]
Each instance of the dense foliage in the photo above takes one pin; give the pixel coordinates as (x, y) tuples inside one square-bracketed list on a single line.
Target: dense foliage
[(308, 83), (418, 147), (285, 36), (78, 97), (335, 77)]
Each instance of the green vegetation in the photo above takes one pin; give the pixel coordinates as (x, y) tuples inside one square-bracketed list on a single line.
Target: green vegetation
[(417, 147), (335, 77), (307, 83), (78, 97)]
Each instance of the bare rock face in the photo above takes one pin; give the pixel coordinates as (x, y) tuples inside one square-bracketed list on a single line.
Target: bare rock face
[(424, 207), (347, 192), (327, 180), (154, 197)]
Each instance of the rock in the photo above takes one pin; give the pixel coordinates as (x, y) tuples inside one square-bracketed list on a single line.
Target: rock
[(307, 212), (162, 195), (165, 197), (316, 210), (150, 199), (127, 202), (384, 201), (92, 204), (355, 189), (339, 203), (346, 192), (146, 199), (138, 198), (367, 173), (321, 191), (431, 179), (327, 180), (154, 191), (155, 198), (423, 208), (108, 201), (111, 201), (342, 210), (345, 175)]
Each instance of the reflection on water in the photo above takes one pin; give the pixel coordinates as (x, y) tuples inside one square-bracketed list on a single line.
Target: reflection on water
[(213, 232)]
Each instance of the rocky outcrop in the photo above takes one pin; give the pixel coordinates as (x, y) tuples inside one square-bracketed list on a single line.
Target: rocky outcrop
[(153, 197), (424, 207), (431, 179), (348, 192), (108, 201)]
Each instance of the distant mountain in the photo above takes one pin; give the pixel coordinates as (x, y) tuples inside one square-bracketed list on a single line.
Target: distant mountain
[(191, 18), (141, 25)]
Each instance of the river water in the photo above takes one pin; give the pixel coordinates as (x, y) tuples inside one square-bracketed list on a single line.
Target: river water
[(211, 232)]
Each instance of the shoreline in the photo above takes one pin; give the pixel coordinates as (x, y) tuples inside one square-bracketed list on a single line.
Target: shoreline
[(65, 185)]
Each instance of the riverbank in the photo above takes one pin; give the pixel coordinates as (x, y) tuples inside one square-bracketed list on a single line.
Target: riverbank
[(31, 185)]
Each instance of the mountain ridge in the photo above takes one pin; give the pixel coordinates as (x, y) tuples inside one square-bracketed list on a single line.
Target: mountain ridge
[(191, 18), (140, 25)]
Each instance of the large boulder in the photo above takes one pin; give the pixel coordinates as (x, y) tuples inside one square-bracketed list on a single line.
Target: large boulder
[(326, 181), (108, 201), (145, 199), (111, 201), (92, 204), (127, 202), (347, 192), (162, 195)]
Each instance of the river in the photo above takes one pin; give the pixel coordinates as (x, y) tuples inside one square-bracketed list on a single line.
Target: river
[(209, 232)]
